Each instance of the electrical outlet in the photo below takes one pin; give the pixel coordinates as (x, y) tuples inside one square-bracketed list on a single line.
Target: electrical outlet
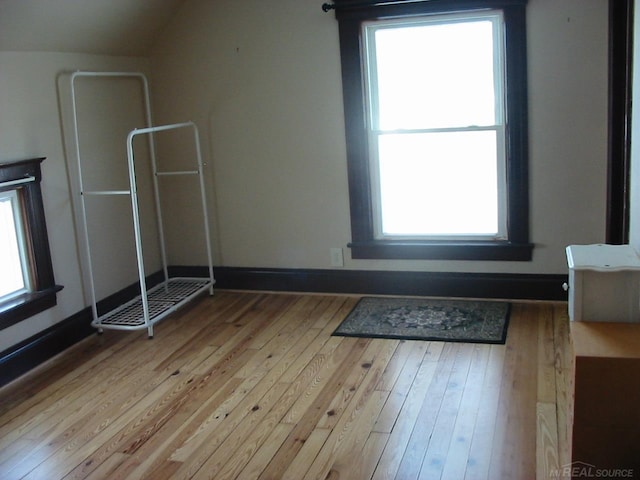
[(337, 258)]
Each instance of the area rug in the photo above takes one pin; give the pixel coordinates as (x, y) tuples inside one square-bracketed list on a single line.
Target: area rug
[(427, 319)]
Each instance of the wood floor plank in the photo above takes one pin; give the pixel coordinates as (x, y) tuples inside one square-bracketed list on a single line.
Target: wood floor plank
[(356, 417), (234, 436), (53, 377), (432, 435), (252, 385), (307, 454), (517, 413), (326, 378), (37, 419), (335, 305), (373, 363), (80, 427), (400, 435), (455, 465), (263, 456), (322, 396), (270, 423), (478, 462), (563, 368), (295, 314), (348, 438), (103, 445), (107, 467), (362, 466), (546, 356), (546, 441), (153, 455), (396, 365)]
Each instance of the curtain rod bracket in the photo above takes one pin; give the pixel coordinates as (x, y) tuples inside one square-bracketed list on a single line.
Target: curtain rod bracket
[(328, 6)]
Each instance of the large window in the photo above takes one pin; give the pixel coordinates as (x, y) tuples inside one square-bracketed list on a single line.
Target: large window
[(27, 283), (435, 106)]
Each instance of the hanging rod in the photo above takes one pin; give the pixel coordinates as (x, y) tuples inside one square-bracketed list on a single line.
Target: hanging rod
[(19, 181), (107, 192), (178, 172)]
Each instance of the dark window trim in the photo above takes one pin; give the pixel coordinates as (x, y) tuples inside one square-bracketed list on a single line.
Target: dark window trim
[(619, 141), (350, 15), (44, 291)]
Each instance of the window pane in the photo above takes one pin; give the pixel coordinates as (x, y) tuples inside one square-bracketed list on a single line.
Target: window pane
[(11, 276), (438, 183), (435, 75)]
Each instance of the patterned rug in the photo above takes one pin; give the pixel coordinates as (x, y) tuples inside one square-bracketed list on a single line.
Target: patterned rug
[(426, 319)]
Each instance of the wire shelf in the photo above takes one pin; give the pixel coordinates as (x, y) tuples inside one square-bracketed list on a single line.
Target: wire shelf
[(162, 300)]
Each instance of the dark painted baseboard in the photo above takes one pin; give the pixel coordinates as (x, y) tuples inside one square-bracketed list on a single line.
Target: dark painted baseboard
[(39, 348), (436, 284), (30, 353), (35, 350)]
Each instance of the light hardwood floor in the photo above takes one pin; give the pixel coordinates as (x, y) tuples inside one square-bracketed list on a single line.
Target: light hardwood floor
[(253, 385)]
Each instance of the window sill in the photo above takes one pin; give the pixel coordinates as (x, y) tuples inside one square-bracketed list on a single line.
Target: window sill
[(27, 305), (403, 250)]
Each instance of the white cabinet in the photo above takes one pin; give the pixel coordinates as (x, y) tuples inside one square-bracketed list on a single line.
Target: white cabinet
[(604, 283)]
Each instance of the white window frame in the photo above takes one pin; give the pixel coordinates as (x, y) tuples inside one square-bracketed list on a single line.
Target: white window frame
[(369, 29), (14, 199)]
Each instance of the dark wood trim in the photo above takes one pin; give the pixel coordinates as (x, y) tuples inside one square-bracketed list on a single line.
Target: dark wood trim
[(366, 282), (27, 305), (44, 291), (619, 144), (442, 251), (350, 15), (28, 354), (359, 9), (39, 348), (517, 124)]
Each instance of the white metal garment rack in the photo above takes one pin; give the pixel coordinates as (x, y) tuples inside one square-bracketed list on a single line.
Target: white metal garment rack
[(152, 305)]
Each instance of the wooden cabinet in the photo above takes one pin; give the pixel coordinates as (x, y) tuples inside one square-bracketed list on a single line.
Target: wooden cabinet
[(605, 407)]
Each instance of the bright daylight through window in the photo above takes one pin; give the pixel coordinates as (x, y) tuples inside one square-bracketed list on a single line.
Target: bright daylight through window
[(436, 126), (14, 278), (27, 283)]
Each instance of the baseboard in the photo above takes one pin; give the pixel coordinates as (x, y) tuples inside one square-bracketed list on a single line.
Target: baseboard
[(39, 348), (28, 354), (438, 284)]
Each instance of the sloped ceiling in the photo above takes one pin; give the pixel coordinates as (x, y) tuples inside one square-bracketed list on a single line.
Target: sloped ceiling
[(109, 27)]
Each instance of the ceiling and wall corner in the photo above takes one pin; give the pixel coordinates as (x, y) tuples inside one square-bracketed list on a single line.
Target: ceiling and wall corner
[(103, 27)]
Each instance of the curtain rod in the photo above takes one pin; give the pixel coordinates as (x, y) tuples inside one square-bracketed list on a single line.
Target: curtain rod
[(326, 7)]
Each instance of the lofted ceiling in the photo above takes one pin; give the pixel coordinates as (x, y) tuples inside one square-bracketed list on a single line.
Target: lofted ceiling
[(108, 27)]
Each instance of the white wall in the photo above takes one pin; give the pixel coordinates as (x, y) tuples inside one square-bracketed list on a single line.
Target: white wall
[(263, 82), (30, 126)]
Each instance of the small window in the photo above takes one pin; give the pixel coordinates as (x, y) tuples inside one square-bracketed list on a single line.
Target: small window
[(27, 284), (14, 277)]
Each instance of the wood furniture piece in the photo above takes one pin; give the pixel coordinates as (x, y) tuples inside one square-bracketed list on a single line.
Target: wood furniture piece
[(605, 418)]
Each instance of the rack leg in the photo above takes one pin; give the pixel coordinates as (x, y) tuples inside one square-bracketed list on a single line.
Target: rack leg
[(150, 331)]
